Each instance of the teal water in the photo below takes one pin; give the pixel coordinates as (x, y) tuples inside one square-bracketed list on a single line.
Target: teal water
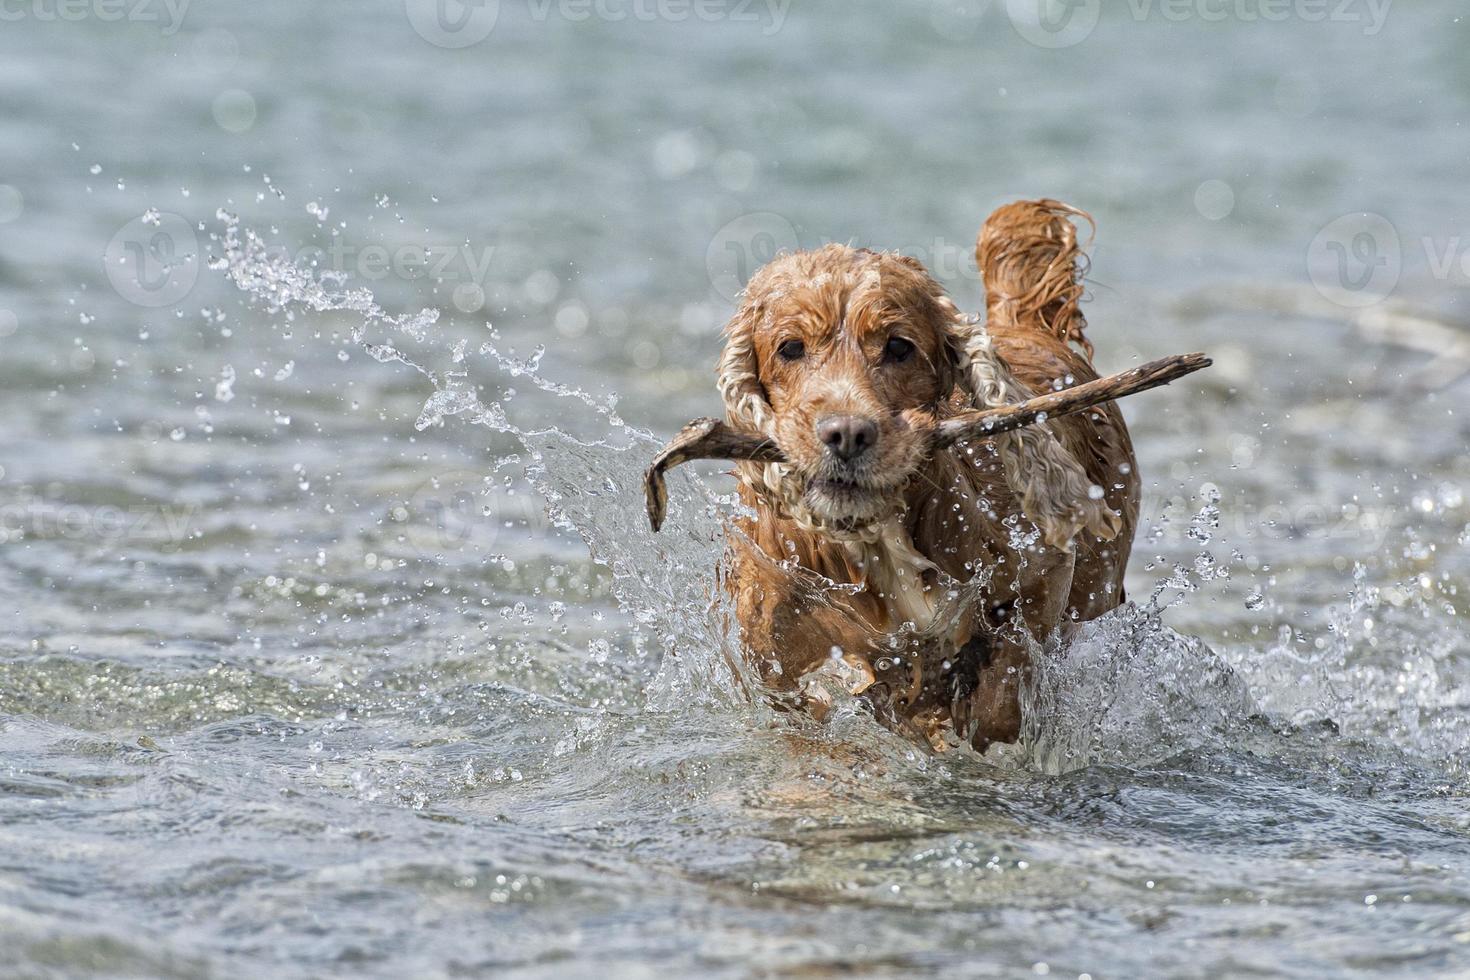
[(292, 685)]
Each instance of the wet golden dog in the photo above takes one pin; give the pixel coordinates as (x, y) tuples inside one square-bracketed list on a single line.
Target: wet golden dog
[(955, 562)]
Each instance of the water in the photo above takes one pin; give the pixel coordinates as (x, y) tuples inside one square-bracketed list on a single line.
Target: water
[(316, 664)]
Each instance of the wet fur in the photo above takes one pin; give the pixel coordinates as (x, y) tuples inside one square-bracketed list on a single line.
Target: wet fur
[(919, 518)]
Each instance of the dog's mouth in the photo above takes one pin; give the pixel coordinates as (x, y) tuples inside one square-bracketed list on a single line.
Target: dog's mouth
[(847, 497), (836, 485)]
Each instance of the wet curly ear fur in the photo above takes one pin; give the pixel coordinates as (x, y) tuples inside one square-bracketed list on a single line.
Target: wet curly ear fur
[(747, 407), (1055, 491), (738, 374)]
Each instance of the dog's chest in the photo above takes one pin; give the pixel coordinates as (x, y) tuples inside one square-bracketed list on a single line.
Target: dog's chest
[(904, 581)]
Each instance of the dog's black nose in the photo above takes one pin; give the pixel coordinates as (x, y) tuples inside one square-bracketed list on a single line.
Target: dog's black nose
[(846, 436)]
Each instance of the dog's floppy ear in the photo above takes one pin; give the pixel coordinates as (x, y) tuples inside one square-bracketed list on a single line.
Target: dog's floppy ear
[(1054, 489), (746, 405)]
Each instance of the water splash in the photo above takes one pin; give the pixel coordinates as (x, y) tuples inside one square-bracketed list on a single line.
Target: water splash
[(1124, 689), (668, 583), (1373, 674)]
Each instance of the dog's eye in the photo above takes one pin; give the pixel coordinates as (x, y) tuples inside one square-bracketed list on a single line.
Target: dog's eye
[(791, 350), (898, 350)]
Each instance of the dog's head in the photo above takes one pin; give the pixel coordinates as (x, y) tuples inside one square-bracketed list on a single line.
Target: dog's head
[(844, 356)]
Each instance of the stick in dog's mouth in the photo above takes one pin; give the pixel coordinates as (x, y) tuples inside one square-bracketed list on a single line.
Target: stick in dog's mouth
[(713, 439)]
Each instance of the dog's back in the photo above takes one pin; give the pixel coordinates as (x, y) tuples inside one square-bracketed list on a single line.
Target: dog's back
[(1032, 267)]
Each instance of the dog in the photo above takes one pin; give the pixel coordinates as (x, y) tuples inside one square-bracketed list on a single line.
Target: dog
[(932, 576)]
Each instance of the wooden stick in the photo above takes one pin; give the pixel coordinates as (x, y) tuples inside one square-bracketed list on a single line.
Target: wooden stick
[(713, 439), (701, 439), (1090, 394)]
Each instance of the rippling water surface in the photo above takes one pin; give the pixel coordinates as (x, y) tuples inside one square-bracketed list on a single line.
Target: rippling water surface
[(332, 639)]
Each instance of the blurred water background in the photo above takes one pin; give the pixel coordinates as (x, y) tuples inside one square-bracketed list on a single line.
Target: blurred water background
[(303, 674)]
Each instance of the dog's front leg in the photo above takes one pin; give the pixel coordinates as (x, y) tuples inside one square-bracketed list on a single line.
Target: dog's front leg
[(992, 669), (991, 711), (790, 627)]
